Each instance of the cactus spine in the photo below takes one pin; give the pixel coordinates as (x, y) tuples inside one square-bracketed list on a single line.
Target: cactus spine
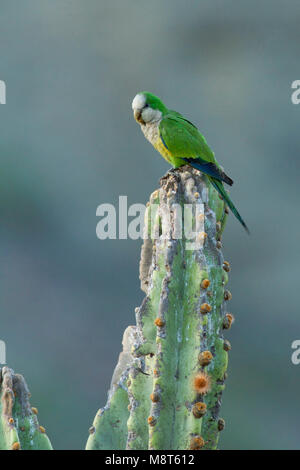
[(19, 427), (167, 387)]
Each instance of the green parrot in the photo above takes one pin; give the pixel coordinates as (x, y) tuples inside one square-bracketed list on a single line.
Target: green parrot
[(180, 142)]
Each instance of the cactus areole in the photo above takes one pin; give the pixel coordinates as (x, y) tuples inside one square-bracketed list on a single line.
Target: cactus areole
[(167, 386)]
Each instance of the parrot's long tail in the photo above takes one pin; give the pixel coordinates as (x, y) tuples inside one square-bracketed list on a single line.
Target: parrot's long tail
[(210, 169), (221, 190)]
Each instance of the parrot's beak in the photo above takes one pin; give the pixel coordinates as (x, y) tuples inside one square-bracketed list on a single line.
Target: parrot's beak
[(138, 116)]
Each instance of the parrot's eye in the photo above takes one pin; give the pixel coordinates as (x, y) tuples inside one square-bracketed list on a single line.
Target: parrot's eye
[(146, 106)]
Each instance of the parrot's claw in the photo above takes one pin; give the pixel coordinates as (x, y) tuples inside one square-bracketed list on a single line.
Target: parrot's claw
[(170, 172)]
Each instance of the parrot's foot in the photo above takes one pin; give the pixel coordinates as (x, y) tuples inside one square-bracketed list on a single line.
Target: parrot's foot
[(170, 172), (174, 171)]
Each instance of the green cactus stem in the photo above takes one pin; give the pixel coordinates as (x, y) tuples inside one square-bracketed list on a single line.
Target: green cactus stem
[(19, 427), (167, 387)]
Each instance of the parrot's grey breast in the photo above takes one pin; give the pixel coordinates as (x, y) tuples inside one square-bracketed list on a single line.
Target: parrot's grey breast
[(151, 131)]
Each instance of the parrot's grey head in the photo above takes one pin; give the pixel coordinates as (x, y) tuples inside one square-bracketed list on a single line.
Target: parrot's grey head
[(147, 108)]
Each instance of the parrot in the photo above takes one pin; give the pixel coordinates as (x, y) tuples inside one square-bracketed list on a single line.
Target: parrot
[(180, 143)]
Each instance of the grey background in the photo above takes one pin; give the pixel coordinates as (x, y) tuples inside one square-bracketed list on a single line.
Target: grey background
[(69, 143)]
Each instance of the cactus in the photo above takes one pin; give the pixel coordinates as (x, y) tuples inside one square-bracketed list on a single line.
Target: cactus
[(19, 427), (166, 389)]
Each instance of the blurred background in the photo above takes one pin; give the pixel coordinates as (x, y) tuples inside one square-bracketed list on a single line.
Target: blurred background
[(68, 143)]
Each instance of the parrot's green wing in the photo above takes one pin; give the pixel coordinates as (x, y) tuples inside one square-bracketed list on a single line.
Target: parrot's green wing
[(185, 142), (183, 139)]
